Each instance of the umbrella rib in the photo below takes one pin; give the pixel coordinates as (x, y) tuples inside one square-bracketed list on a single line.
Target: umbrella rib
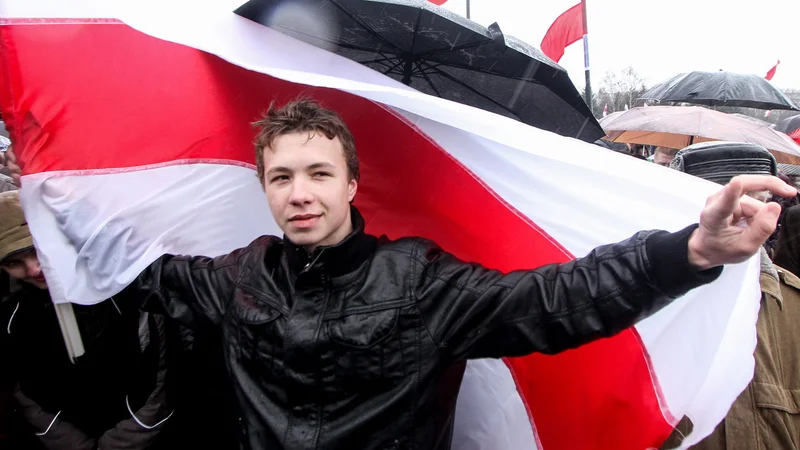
[(425, 75), (393, 67), (453, 49), (356, 47), (416, 30), (339, 43), (364, 25), (378, 60), (487, 72), (473, 90)]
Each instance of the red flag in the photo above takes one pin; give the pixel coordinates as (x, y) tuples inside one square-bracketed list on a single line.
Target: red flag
[(437, 2), (772, 71), (567, 29)]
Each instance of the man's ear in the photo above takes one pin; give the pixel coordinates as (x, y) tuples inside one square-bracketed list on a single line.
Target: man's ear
[(352, 187)]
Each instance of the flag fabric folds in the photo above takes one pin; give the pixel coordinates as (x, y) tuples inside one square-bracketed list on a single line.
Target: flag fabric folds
[(132, 120)]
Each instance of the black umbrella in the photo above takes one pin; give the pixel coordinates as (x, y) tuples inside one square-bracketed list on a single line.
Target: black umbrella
[(720, 89), (789, 124), (439, 53)]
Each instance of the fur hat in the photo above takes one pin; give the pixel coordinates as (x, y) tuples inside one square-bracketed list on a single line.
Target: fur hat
[(14, 233), (721, 161)]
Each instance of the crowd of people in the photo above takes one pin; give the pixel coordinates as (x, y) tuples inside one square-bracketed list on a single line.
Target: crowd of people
[(332, 338)]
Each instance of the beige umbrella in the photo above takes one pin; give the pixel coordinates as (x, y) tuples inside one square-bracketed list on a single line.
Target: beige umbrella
[(680, 126)]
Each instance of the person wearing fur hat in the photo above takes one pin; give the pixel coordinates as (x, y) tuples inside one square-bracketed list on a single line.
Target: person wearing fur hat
[(112, 397), (765, 416)]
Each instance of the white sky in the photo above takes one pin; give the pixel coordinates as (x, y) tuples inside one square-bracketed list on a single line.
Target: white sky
[(661, 38)]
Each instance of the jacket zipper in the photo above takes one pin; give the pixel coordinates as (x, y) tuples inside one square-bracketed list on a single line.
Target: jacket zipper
[(311, 262)]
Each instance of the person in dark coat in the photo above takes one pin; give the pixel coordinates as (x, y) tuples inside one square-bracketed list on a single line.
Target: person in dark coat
[(112, 397)]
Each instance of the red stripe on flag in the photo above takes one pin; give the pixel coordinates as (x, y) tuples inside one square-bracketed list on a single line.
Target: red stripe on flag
[(100, 96)]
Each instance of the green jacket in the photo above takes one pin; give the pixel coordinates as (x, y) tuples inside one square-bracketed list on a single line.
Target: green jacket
[(767, 414)]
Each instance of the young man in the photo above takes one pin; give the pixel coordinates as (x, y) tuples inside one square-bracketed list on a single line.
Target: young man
[(112, 397), (336, 339)]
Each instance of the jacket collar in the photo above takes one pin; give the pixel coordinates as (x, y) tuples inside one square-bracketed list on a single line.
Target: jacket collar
[(334, 260)]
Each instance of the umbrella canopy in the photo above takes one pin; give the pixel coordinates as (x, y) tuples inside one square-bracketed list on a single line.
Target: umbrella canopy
[(789, 124), (679, 126), (792, 170), (610, 117), (720, 89), (754, 119), (440, 53)]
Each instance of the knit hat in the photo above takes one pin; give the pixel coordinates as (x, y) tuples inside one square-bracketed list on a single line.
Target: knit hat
[(721, 161), (14, 233)]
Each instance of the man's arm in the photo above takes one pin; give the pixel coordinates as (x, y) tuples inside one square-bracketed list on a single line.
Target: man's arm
[(193, 290), (474, 312), (144, 427), (50, 430)]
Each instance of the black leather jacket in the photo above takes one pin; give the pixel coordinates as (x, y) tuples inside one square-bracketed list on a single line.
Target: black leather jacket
[(362, 344)]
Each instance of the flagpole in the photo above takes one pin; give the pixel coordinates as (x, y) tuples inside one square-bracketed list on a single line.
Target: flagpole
[(467, 9), (588, 90)]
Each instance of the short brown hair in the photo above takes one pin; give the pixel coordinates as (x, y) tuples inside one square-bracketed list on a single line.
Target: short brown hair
[(304, 115)]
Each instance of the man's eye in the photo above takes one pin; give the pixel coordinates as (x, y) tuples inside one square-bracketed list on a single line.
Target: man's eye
[(279, 178), (321, 174)]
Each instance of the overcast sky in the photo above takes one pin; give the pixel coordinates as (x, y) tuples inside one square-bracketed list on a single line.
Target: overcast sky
[(661, 38)]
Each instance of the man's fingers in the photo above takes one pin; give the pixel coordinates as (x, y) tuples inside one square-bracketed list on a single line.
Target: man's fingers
[(755, 183), (726, 203), (750, 206), (763, 225)]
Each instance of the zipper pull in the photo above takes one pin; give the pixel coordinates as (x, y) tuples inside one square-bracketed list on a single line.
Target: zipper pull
[(312, 261)]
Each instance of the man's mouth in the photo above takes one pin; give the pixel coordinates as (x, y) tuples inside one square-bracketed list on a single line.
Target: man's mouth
[(303, 217), (304, 220)]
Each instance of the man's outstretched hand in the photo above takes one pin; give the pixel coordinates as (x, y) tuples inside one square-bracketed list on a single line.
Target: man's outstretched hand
[(733, 226)]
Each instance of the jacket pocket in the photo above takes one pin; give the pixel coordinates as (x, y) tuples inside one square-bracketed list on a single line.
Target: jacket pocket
[(258, 334), (366, 347), (778, 415)]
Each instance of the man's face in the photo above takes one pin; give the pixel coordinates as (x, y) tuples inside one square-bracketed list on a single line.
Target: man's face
[(308, 188), (662, 159), (24, 266)]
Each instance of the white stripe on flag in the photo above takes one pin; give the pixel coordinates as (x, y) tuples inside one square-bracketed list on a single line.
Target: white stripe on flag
[(99, 262)]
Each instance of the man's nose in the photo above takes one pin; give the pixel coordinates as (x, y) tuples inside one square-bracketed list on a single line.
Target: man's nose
[(32, 268), (301, 192)]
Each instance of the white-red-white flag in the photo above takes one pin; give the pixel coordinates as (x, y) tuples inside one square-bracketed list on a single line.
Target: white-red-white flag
[(143, 109)]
